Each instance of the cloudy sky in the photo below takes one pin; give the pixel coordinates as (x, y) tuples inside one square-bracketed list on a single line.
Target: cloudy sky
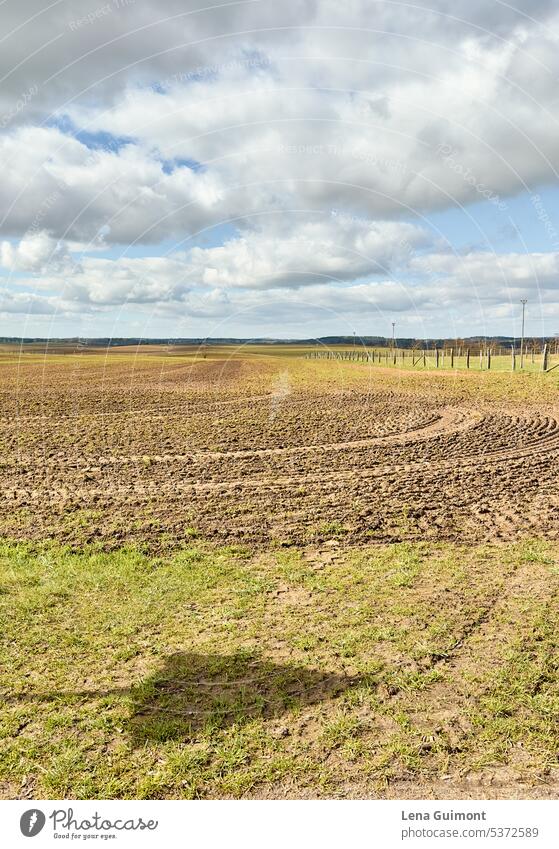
[(295, 168)]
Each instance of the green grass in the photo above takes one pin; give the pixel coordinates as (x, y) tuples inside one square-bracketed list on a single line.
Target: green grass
[(213, 672)]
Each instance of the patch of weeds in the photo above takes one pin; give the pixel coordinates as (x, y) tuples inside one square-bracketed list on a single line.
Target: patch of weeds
[(341, 729), (534, 551), (414, 680), (328, 530), (408, 563)]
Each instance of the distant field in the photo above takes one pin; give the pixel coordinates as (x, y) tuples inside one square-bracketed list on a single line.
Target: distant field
[(240, 571)]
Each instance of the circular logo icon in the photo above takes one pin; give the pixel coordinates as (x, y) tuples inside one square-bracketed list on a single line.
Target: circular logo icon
[(32, 822)]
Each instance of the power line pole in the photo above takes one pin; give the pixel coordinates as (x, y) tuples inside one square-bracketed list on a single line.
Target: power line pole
[(523, 301)]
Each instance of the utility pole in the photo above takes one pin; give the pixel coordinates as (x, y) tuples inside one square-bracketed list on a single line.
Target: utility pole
[(523, 301)]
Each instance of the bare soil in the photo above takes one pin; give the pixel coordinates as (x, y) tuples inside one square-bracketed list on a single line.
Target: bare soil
[(143, 450)]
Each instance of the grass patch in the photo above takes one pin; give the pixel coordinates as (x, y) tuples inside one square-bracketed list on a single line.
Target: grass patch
[(212, 672)]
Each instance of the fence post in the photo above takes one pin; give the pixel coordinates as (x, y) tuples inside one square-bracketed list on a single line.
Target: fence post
[(468, 358), (488, 359), (513, 363), (437, 357), (544, 358), (452, 358)]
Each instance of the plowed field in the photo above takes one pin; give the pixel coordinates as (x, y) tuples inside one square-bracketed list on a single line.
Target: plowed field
[(271, 449)]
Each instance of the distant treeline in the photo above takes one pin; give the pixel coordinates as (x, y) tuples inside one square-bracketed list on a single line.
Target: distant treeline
[(473, 342), (327, 341)]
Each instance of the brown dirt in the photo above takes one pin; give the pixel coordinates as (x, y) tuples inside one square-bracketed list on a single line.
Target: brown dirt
[(149, 450)]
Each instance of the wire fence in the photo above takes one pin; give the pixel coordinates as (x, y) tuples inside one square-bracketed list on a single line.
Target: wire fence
[(530, 358)]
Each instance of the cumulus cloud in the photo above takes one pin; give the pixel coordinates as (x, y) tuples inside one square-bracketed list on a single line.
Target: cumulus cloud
[(360, 269), (28, 304), (338, 249), (316, 144), (499, 278), (126, 195), (35, 252)]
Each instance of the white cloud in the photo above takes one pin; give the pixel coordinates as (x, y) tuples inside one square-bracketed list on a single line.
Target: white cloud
[(35, 252), (27, 303), (339, 115), (127, 195), (340, 267), (316, 132), (493, 277), (336, 249)]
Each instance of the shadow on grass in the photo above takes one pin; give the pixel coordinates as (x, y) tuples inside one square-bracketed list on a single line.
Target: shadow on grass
[(194, 693)]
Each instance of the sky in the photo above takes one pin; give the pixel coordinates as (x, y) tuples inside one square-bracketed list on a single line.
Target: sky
[(181, 168)]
